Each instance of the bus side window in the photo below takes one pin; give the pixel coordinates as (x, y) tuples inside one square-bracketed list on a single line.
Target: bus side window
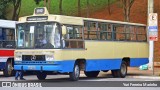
[(141, 34), (114, 33), (73, 38), (132, 33), (119, 32), (105, 31), (86, 36), (7, 38)]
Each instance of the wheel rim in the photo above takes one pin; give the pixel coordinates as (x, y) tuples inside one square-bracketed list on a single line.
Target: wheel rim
[(9, 68), (123, 69), (77, 71)]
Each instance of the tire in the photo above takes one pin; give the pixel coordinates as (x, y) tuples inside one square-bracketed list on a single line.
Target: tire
[(74, 76), (91, 73), (122, 72), (8, 71), (41, 76)]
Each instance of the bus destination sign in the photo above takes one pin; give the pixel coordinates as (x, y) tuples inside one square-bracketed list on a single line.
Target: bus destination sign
[(37, 18), (39, 11)]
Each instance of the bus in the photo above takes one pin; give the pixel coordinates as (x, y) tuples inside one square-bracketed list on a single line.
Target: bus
[(49, 44), (7, 46)]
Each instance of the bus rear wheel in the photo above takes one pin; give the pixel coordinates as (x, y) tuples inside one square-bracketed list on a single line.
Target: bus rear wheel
[(8, 69), (91, 73), (41, 75), (122, 72), (74, 76)]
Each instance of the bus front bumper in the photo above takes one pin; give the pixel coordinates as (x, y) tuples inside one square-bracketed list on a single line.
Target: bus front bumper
[(58, 66), (38, 67)]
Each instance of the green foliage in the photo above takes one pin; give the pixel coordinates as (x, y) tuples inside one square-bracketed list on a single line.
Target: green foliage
[(3, 7), (69, 7)]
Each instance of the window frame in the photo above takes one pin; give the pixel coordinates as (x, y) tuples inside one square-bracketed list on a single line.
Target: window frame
[(131, 33), (77, 40)]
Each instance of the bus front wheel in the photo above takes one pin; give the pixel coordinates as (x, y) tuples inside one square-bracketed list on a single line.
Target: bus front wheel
[(74, 76), (122, 72), (91, 73), (41, 75)]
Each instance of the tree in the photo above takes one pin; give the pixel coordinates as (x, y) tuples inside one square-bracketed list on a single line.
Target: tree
[(37, 1), (79, 8), (16, 9), (46, 3), (3, 7), (88, 8), (49, 1), (126, 5), (60, 7), (109, 8)]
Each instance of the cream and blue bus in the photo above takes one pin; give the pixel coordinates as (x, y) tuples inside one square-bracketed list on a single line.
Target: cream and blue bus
[(49, 44)]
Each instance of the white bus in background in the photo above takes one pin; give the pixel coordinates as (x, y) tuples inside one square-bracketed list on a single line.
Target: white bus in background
[(7, 46)]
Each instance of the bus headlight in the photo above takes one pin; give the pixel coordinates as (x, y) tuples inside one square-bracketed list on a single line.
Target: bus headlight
[(18, 58), (49, 57)]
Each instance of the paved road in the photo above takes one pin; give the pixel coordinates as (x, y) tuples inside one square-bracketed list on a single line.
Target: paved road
[(102, 77), (105, 78)]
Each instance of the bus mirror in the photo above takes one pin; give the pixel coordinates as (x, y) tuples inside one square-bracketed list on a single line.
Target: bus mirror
[(64, 30)]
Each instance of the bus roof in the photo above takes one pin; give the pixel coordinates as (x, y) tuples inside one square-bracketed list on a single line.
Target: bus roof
[(113, 22), (76, 20), (7, 24)]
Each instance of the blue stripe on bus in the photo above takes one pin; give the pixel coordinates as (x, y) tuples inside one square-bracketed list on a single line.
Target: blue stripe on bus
[(136, 62), (102, 64), (111, 64), (91, 65)]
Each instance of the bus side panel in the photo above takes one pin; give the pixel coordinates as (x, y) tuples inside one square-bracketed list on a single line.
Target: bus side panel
[(103, 64), (67, 65), (111, 64), (135, 62), (3, 61), (4, 53), (2, 65)]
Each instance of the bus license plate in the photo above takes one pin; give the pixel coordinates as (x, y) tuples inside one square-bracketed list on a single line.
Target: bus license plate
[(31, 67)]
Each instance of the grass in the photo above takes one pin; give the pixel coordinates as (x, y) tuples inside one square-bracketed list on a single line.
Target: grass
[(69, 7)]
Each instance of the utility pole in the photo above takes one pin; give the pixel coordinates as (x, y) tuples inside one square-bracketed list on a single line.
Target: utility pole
[(151, 43)]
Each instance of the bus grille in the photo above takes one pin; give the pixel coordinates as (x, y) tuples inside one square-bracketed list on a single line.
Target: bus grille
[(33, 57)]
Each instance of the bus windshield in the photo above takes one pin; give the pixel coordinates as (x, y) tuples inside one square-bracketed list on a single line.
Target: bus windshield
[(7, 38), (41, 35)]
